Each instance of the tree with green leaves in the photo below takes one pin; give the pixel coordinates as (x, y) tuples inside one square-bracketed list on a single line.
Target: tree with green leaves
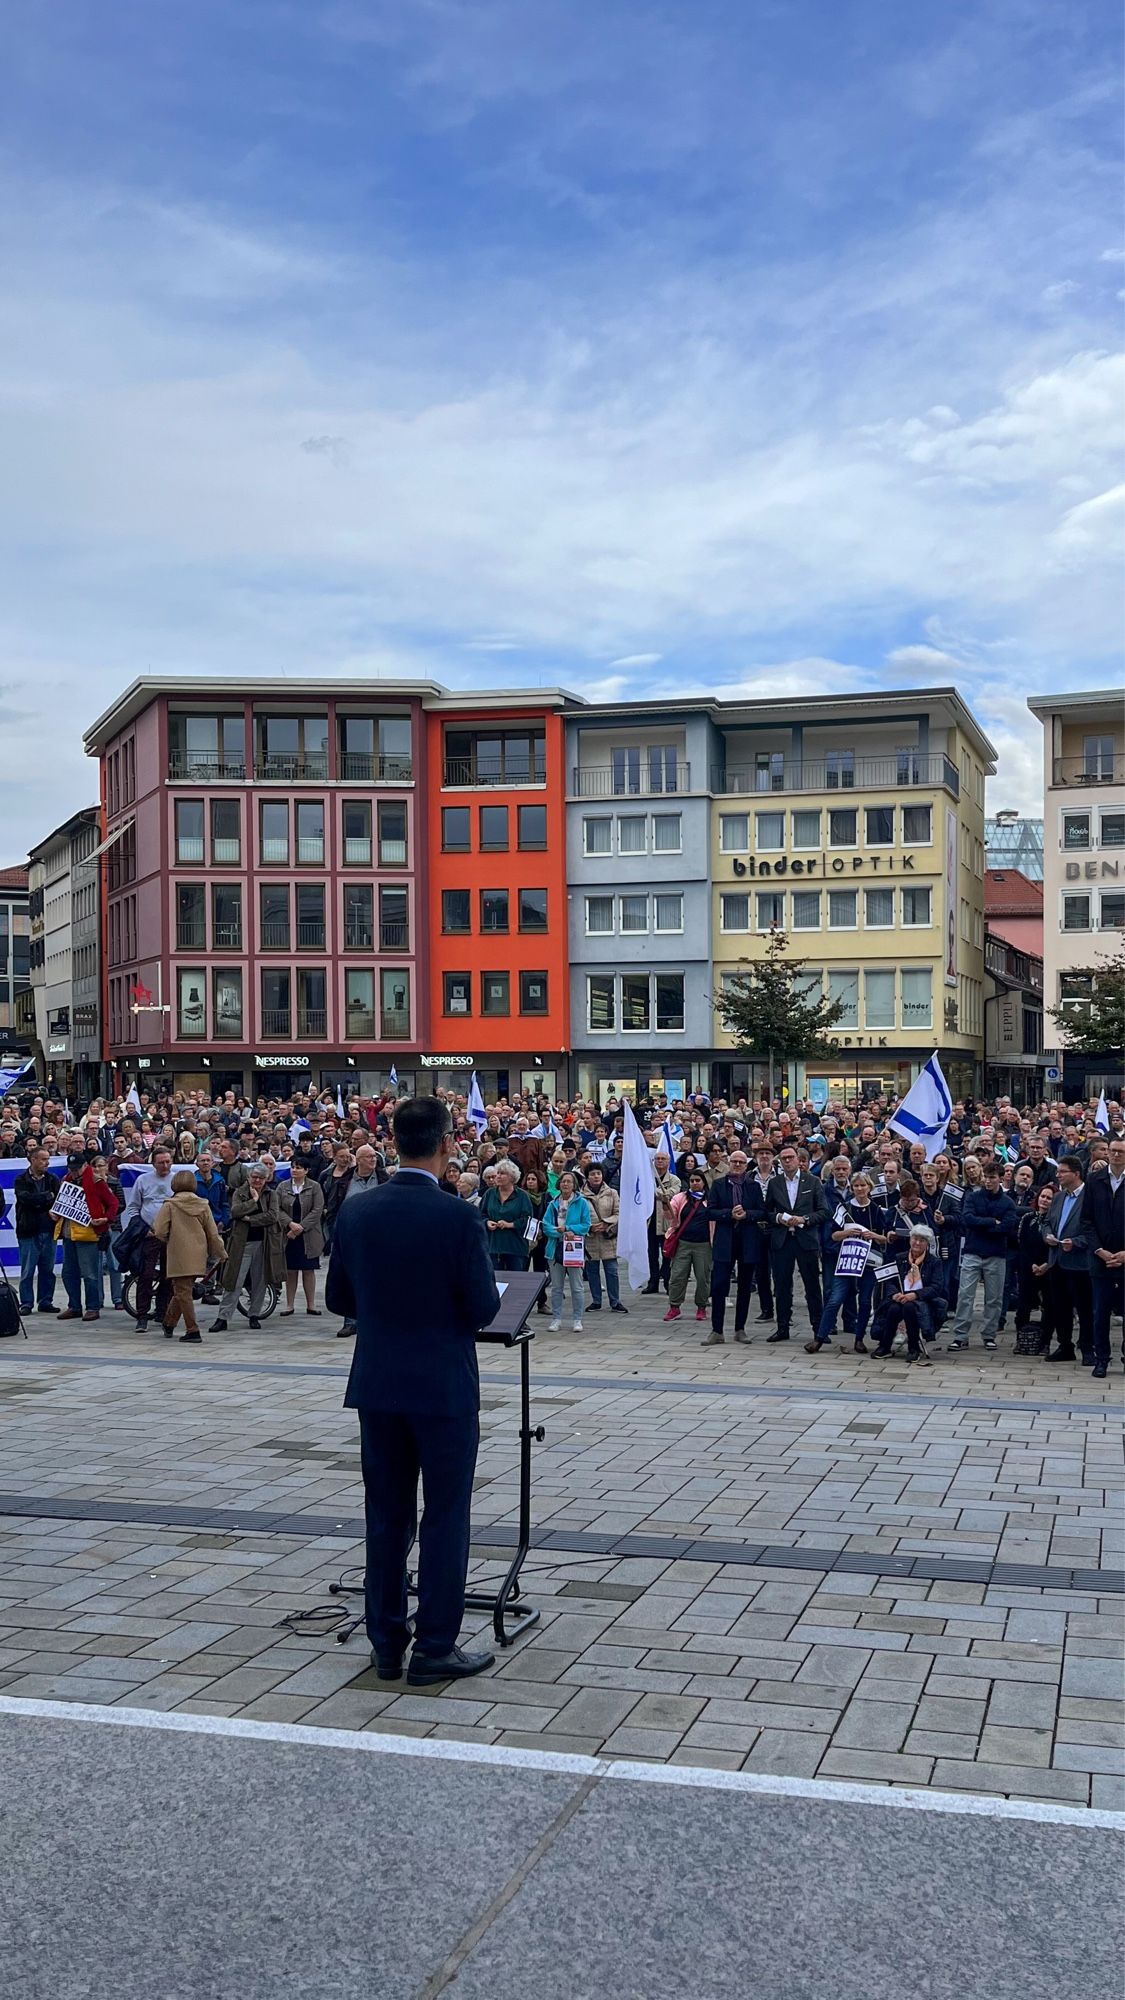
[(776, 1010), (1099, 1028)]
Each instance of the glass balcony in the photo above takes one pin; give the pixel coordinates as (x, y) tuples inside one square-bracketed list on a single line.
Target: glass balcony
[(868, 774)]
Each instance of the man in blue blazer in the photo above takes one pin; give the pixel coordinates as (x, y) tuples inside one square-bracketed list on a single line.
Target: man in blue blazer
[(413, 1271)]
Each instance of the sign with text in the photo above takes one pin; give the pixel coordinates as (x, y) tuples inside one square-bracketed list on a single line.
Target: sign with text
[(852, 1260)]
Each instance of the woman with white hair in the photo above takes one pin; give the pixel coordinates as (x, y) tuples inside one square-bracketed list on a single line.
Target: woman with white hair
[(918, 1302)]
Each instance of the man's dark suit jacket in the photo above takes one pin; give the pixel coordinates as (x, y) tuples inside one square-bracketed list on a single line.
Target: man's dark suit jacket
[(1077, 1259), (811, 1203), (1103, 1213), (413, 1271), (729, 1241)]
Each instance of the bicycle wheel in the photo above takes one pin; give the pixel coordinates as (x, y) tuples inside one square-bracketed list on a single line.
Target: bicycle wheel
[(129, 1294), (269, 1301)]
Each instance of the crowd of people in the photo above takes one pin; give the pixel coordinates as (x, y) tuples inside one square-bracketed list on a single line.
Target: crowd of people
[(1021, 1214)]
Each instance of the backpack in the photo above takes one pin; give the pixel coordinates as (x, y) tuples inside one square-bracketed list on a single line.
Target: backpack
[(10, 1321)]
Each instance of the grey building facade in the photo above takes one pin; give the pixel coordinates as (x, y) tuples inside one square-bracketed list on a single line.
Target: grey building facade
[(66, 955)]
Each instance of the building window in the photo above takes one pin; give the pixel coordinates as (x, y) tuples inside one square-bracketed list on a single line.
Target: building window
[(1097, 759), (879, 909), (839, 770), (1076, 913), (734, 833), (599, 916), (494, 829), (189, 831), (734, 912), (631, 834), (394, 999), (634, 914), (916, 908), (359, 1004), (842, 909), (669, 1002), (455, 829), (493, 910), (357, 833), (191, 917), (878, 999), (1112, 916), (292, 746), (533, 909), (1032, 1032), (880, 822), (533, 993), (457, 992), (669, 912), (978, 928), (771, 910), (201, 746), (806, 829), (917, 997), (1113, 829), (531, 826), (1076, 991), (597, 836), (601, 1009), (274, 907), (495, 993), (843, 985), (842, 826), (1075, 830), (310, 833), (965, 920), (456, 915), (310, 916), (359, 917), (226, 833), (917, 826), (312, 1003), (769, 831), (274, 832), (226, 916), (666, 833), (361, 760), (391, 821), (226, 1004), (495, 757), (806, 909), (192, 1013), (635, 1003), (394, 920)]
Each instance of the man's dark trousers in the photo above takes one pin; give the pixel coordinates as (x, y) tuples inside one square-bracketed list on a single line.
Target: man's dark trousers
[(1071, 1298), (722, 1270), (799, 1250), (1108, 1289), (394, 1449)]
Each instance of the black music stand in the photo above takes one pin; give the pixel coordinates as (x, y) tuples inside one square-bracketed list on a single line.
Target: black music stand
[(510, 1328)]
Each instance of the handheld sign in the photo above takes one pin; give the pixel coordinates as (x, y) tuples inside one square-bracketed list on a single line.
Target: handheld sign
[(71, 1205), (852, 1260)]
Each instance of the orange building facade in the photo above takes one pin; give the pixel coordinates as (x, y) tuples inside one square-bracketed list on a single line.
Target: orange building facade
[(497, 895)]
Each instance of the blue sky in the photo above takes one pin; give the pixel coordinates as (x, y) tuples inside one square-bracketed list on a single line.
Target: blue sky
[(641, 348)]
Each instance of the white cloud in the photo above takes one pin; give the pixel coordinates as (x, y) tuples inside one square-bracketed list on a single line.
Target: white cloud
[(1112, 257), (929, 662), (1053, 295), (637, 660)]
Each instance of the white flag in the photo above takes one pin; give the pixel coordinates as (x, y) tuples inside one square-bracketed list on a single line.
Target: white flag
[(339, 1102), (637, 1190), (1101, 1115), (133, 1101), (476, 1105), (926, 1109)]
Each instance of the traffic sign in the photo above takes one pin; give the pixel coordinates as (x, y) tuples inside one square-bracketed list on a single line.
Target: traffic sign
[(1053, 1074)]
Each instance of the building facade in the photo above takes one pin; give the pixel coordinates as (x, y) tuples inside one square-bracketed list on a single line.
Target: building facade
[(1013, 1021), (1011, 842), (65, 921), (1083, 865), (16, 1036), (1013, 909)]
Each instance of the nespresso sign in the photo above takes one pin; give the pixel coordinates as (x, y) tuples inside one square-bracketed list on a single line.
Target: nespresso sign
[(823, 864)]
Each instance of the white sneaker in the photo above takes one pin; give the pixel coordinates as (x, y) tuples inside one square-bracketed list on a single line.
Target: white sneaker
[(554, 1326), (577, 1327)]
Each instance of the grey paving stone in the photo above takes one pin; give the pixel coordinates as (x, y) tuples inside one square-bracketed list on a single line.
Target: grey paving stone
[(938, 1743), (1004, 1745), (790, 1753), (873, 1725), (1004, 1780), (592, 1712), (1023, 1704), (876, 1766), (1104, 1679), (1089, 1757), (655, 1743), (1108, 1794), (834, 1666)]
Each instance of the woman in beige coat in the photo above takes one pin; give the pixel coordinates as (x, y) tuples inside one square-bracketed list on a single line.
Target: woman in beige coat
[(186, 1227)]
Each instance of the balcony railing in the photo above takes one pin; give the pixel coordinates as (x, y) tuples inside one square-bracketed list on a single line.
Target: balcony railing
[(604, 781), (476, 773), (275, 937), (393, 935), (363, 767), (227, 937), (207, 767), (310, 936), (1008, 963), (360, 1025), (191, 936), (359, 936), (396, 1026), (276, 1022), (312, 1023), (1081, 772), (313, 765), (867, 774)]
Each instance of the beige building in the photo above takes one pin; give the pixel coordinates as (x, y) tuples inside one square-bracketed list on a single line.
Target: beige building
[(856, 824), (1083, 860)]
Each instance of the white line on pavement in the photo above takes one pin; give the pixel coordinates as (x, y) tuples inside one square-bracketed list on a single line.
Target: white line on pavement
[(819, 1791)]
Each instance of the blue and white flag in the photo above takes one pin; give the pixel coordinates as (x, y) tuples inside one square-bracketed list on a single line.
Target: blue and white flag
[(925, 1111), (339, 1102), (476, 1105), (637, 1190), (1101, 1115), (393, 1079), (298, 1126), (667, 1143), (10, 1077)]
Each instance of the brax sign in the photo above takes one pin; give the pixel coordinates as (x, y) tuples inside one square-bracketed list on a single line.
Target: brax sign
[(823, 864)]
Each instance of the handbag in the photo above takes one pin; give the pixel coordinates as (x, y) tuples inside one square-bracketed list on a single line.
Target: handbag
[(672, 1239)]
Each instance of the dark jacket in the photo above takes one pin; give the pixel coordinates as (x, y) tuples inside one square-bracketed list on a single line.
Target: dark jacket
[(732, 1239), (413, 1271), (34, 1202), (1077, 1233), (1103, 1214), (988, 1222), (811, 1203), (217, 1196)]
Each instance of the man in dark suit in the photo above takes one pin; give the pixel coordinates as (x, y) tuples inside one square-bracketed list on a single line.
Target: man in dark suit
[(735, 1203), (413, 1271), (1103, 1206), (1068, 1265), (797, 1209)]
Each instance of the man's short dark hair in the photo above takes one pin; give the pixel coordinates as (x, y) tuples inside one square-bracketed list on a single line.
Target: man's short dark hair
[(1072, 1161), (420, 1125), (991, 1167)]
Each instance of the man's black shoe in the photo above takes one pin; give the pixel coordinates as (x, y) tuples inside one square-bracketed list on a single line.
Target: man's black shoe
[(1061, 1354), (764, 1316), (619, 1308), (347, 1331), (594, 1306), (218, 1326), (387, 1669), (142, 1325), (1098, 1371), (650, 1291), (770, 1338), (43, 1309), (255, 1326), (428, 1669)]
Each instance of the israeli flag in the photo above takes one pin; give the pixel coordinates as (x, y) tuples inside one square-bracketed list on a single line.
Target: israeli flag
[(298, 1126), (476, 1105), (393, 1079), (339, 1102), (667, 1143), (637, 1190), (1101, 1115), (925, 1111), (10, 1077)]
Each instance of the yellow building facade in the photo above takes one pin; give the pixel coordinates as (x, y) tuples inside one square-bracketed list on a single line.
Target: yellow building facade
[(856, 825)]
